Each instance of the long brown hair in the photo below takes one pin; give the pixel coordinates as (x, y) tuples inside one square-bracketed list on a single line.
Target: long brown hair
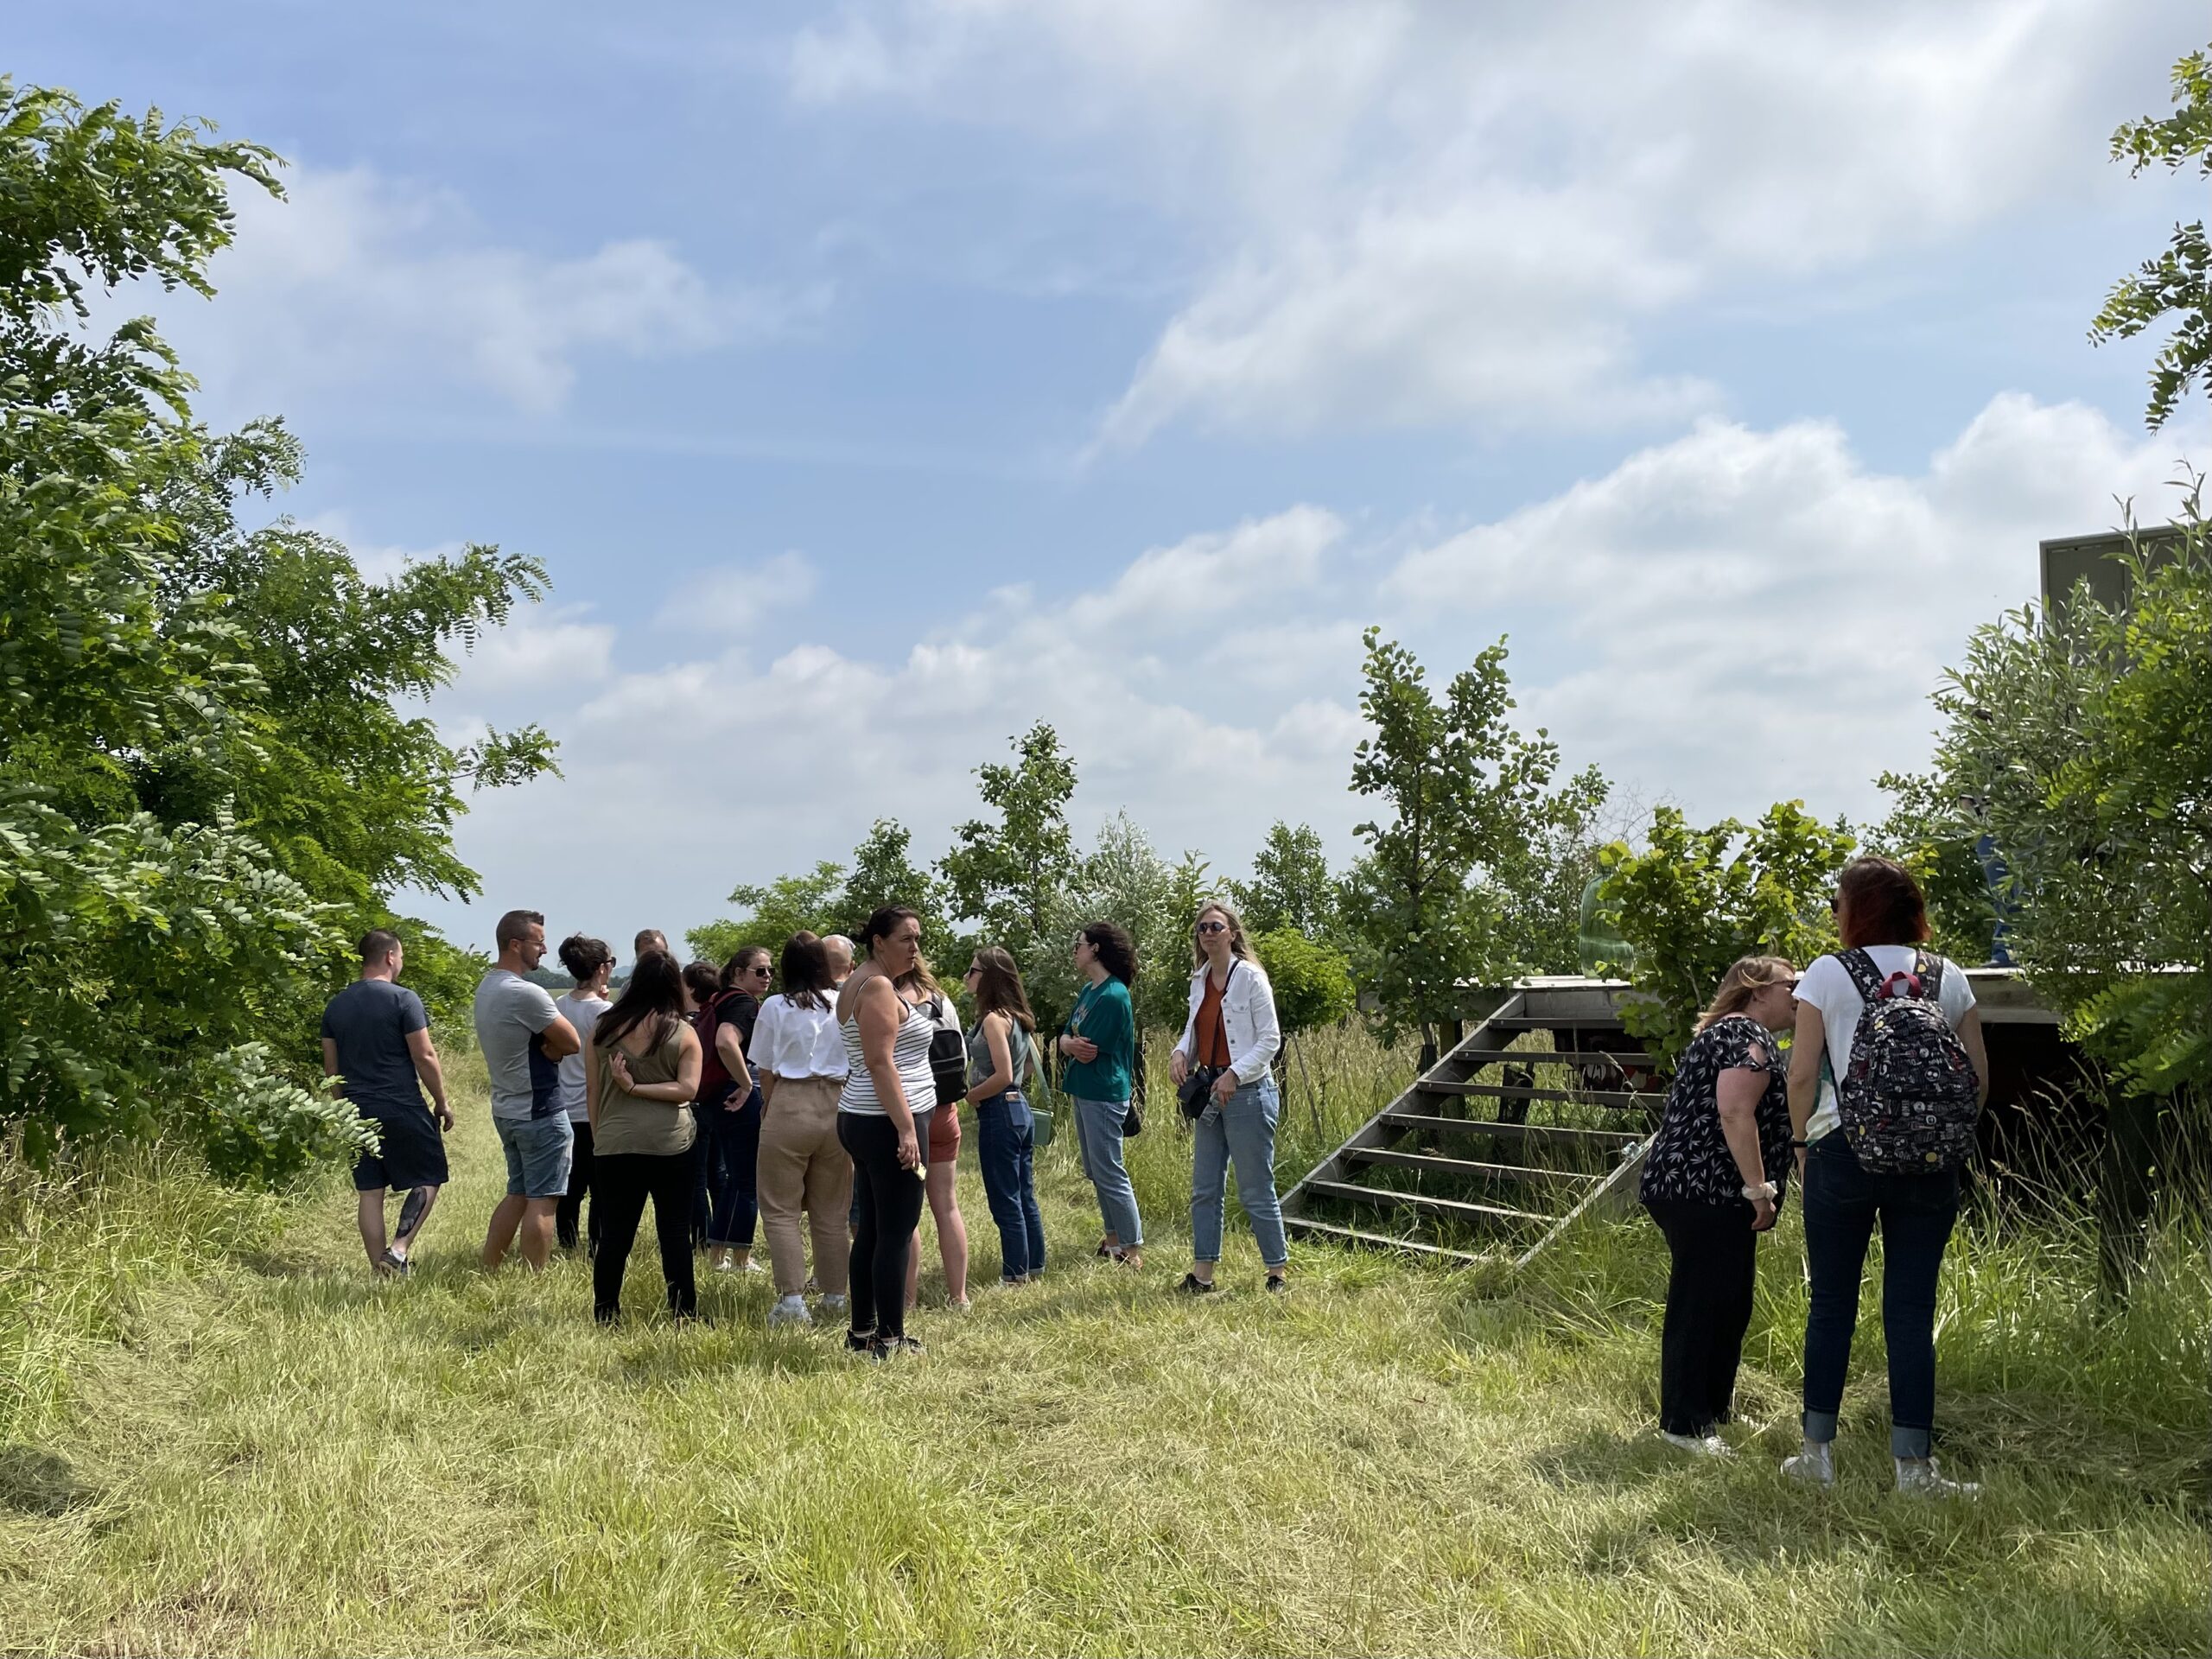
[(1237, 946), (999, 989), (1745, 978), (654, 992), (806, 971)]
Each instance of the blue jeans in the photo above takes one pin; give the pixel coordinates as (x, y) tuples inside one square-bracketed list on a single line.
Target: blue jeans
[(1242, 1127), (733, 1166), (1099, 1132), (1004, 1149), (1842, 1203), (538, 1151)]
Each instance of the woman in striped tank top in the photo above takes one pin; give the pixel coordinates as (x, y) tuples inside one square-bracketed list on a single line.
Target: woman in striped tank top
[(883, 1121)]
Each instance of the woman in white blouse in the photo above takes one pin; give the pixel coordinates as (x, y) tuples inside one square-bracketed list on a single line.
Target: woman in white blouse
[(798, 1055), (1230, 1043)]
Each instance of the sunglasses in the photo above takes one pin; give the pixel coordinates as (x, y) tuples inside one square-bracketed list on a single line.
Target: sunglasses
[(1213, 927)]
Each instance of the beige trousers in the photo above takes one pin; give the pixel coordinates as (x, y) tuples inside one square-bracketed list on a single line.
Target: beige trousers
[(803, 1167)]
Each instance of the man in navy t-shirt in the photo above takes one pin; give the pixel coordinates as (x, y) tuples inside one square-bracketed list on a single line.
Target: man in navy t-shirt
[(377, 1038)]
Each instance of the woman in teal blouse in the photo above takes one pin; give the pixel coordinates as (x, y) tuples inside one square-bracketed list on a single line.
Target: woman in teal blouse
[(1099, 1043)]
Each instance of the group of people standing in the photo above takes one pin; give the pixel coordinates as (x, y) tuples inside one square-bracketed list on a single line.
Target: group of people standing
[(1873, 1109), (827, 1113)]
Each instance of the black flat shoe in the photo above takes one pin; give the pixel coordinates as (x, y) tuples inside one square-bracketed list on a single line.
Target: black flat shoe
[(860, 1342), (1194, 1286), (1278, 1281)]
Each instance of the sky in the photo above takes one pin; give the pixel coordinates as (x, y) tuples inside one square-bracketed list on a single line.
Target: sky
[(875, 381)]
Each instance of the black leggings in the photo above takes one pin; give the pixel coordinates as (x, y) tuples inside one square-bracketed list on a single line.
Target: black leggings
[(1708, 1309), (570, 1209), (621, 1182), (890, 1200)]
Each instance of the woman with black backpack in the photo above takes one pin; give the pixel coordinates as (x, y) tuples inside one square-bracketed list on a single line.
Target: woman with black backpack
[(1887, 1076)]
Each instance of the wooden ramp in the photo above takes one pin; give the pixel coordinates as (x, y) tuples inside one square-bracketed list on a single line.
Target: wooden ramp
[(1537, 1117)]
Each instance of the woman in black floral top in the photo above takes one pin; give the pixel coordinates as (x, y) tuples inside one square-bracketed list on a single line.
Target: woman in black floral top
[(1713, 1180)]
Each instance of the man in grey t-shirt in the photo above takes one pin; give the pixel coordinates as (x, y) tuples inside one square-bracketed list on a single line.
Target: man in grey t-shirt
[(524, 1040)]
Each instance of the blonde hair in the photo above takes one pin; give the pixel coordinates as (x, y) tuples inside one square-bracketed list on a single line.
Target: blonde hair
[(1745, 978), (1236, 946)]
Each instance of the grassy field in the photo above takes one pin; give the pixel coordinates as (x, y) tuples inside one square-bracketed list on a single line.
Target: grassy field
[(222, 1437)]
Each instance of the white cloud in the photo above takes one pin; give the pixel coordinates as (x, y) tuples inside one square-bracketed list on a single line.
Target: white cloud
[(735, 598), (1419, 214), (544, 651), (358, 279), (1757, 615), (379, 562), (1733, 618)]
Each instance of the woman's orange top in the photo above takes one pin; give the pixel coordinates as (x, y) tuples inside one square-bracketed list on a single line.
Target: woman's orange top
[(1212, 1036)]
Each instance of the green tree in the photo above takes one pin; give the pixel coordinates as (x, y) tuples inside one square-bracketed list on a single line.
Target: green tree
[(1531, 889), (191, 827), (2079, 739), (1006, 875), (1693, 900), (1312, 980), (2180, 279), (812, 903), (884, 873), (1464, 790), (1291, 885)]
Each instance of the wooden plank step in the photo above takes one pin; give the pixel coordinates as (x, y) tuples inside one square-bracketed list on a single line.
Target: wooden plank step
[(1422, 1201), (1557, 1022), (1467, 1167), (1517, 1091), (1381, 1241), (1555, 1057), (1539, 1132)]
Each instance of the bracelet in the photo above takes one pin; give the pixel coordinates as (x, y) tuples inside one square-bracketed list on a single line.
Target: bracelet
[(1765, 1190), (1800, 1145)]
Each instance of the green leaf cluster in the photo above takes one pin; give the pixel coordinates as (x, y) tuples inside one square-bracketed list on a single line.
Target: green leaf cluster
[(1457, 885), (206, 788), (2078, 738), (1312, 980), (1693, 900), (2178, 281)]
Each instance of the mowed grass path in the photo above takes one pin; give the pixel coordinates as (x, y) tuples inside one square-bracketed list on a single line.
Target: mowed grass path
[(280, 1456)]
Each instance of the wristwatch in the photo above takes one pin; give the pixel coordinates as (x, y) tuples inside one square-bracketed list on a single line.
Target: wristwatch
[(1766, 1190)]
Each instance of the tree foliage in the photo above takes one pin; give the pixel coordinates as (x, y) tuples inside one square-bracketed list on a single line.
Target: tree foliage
[(1311, 979), (1465, 793), (834, 898), (1291, 885), (205, 789), (2078, 739), (1005, 873), (1693, 900), (2178, 281)]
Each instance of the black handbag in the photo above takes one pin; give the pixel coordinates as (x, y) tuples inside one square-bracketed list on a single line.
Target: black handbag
[(1133, 1120)]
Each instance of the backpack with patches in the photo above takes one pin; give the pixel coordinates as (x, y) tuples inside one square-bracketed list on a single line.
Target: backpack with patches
[(1909, 1099)]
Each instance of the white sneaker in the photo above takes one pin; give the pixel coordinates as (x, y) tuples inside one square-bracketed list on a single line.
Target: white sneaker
[(834, 1304), (1920, 1477), (790, 1309), (1703, 1446), (1814, 1466)]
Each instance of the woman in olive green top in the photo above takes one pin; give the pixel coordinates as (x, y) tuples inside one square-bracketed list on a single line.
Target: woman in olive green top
[(1099, 1043), (641, 1070)]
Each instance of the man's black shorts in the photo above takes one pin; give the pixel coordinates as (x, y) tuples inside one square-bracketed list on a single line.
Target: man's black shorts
[(413, 1154)]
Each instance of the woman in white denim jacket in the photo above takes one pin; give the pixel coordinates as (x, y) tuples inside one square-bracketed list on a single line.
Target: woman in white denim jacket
[(1232, 1032)]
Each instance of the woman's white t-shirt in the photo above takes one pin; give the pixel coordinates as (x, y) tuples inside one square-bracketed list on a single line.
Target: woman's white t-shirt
[(582, 1013), (1827, 985), (793, 1041)]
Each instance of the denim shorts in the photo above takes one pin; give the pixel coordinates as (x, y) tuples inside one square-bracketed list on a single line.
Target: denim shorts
[(538, 1151)]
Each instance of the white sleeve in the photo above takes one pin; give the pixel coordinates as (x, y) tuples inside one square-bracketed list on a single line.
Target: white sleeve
[(1187, 1044), (1267, 1036), (767, 1036), (1958, 998)]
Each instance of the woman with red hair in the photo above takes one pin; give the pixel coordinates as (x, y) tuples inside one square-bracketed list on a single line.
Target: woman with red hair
[(1885, 1147)]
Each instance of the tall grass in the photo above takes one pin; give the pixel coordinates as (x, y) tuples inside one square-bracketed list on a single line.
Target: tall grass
[(277, 1455)]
